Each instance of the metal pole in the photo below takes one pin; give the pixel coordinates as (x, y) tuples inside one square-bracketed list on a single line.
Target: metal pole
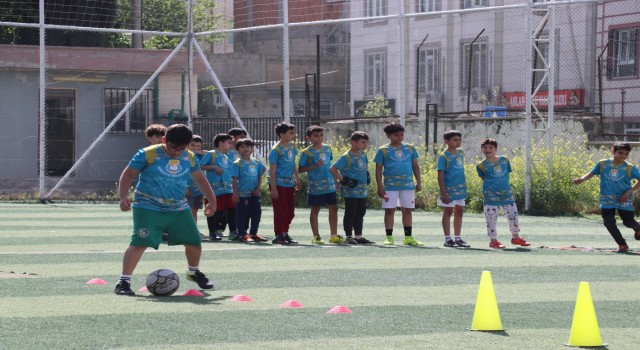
[(136, 19), (190, 62), (529, 101), (43, 122), (471, 65), (316, 80), (285, 60), (418, 76), (551, 81), (400, 104)]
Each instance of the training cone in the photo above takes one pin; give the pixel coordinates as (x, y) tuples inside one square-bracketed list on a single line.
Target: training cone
[(584, 327), (97, 281), (340, 310), (292, 304), (192, 293), (241, 298), (486, 316), (143, 289)]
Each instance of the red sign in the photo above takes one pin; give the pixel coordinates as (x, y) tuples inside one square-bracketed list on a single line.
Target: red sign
[(564, 99)]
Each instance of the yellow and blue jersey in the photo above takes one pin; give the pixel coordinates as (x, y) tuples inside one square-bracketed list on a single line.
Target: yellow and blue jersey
[(193, 187), (285, 160), (320, 179), (454, 180), (220, 183), (615, 180), (163, 179), (397, 165), (355, 167), (496, 189), (247, 172)]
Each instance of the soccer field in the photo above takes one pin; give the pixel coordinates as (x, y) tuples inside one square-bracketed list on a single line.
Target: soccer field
[(401, 297)]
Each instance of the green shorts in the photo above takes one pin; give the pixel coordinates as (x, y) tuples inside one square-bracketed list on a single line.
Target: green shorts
[(149, 225)]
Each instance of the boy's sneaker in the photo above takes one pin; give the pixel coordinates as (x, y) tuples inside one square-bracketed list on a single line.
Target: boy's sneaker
[(412, 242), (637, 235), (317, 240), (123, 288), (462, 244), (259, 238), (246, 239), (388, 240), (336, 239), (203, 236), (622, 249), (520, 241), (350, 240), (449, 243), (363, 240), (496, 245), (289, 239), (215, 237), (280, 240), (202, 280), (234, 236), (165, 237)]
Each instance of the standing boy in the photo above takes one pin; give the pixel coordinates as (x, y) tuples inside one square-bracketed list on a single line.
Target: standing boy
[(194, 195), (321, 191), (496, 194), (154, 133), (247, 178), (159, 204), (219, 176), (283, 182), (236, 134), (351, 171), (616, 192), (453, 187), (400, 163)]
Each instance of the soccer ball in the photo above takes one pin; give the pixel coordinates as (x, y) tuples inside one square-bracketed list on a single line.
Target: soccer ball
[(163, 282)]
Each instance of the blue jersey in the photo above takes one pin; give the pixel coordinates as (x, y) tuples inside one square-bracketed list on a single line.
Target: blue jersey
[(355, 167), (247, 172), (398, 166), (220, 183), (193, 187), (453, 167), (496, 189), (233, 155), (615, 180), (163, 179), (285, 160), (320, 179)]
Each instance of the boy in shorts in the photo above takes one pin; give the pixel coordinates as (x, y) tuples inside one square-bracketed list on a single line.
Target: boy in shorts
[(398, 163), (453, 188), (159, 204), (321, 190), (194, 195), (219, 175)]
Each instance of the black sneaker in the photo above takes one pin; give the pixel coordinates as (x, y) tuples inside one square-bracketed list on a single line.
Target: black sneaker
[(363, 240), (449, 243), (214, 237), (165, 237), (234, 236), (280, 240), (350, 240), (462, 244), (290, 240), (124, 288), (202, 280)]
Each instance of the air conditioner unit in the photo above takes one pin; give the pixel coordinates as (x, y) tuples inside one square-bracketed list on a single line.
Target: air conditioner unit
[(479, 95)]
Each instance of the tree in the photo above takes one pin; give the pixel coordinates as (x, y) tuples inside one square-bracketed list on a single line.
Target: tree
[(377, 108)]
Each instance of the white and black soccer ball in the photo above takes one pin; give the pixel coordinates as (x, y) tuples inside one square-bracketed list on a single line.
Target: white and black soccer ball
[(163, 282)]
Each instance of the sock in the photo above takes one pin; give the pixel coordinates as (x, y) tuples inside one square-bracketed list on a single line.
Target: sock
[(458, 238), (192, 270), (407, 231), (389, 231), (126, 278), (447, 238)]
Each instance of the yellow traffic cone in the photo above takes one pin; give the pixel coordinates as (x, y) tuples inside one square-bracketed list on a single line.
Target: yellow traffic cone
[(584, 327), (486, 316)]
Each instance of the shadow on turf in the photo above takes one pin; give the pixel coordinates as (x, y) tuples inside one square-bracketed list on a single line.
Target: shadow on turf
[(500, 333), (182, 299)]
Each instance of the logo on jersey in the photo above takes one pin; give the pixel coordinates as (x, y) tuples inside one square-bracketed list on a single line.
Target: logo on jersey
[(614, 174), (399, 155), (498, 170), (251, 170), (173, 167), (323, 157), (289, 156), (143, 232), (224, 163), (459, 163), (361, 165)]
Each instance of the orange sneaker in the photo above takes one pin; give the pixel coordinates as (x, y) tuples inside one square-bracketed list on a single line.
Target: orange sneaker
[(246, 238), (622, 249), (496, 245), (259, 238), (520, 241)]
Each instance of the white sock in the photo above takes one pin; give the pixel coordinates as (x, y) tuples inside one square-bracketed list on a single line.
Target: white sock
[(126, 278), (192, 270), (447, 238)]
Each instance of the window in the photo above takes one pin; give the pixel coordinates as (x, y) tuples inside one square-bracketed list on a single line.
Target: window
[(375, 69), (623, 60), (632, 132), (430, 5), (475, 3), (136, 119), (543, 47), (429, 65), (478, 65), (376, 8), (326, 108)]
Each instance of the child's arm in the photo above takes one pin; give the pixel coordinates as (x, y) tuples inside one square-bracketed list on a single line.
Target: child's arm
[(296, 179), (273, 190), (416, 174), (234, 183), (336, 174), (316, 165), (205, 188), (444, 196), (256, 191), (128, 174), (582, 179), (381, 192)]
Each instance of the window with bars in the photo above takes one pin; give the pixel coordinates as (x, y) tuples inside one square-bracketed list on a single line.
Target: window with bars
[(375, 68), (478, 63), (623, 53), (376, 8), (475, 3), (429, 64), (430, 5), (136, 118)]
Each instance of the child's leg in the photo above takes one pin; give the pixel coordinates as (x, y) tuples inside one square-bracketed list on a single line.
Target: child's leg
[(350, 212), (361, 210), (333, 219), (231, 219), (407, 220), (609, 218), (279, 212), (511, 210), (313, 219), (241, 214), (388, 218), (491, 216), (290, 206), (458, 211), (255, 212), (446, 221), (131, 258), (194, 212), (628, 219)]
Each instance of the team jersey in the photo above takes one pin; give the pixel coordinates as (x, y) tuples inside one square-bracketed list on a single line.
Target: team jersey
[(193, 187), (355, 167), (220, 183), (614, 181), (233, 155), (285, 160), (320, 179), (453, 167), (163, 180), (496, 189), (247, 172), (397, 165)]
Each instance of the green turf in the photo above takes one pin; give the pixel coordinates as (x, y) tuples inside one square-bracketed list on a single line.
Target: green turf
[(401, 297)]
